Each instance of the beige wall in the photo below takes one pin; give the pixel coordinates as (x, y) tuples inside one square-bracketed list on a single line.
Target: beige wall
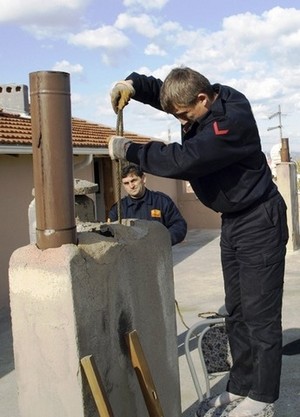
[(196, 214), (164, 185), (16, 182)]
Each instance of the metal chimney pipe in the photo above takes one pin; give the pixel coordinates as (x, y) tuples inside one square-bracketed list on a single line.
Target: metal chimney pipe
[(52, 158)]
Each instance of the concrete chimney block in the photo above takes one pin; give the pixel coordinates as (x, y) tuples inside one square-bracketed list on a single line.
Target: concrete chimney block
[(79, 300), (14, 98)]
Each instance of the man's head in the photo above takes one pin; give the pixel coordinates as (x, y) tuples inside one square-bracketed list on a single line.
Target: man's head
[(186, 94), (133, 180)]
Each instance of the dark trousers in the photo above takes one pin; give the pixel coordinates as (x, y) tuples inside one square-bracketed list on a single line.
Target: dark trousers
[(253, 247)]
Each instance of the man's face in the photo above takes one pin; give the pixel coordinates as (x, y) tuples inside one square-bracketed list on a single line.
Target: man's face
[(189, 114), (134, 185)]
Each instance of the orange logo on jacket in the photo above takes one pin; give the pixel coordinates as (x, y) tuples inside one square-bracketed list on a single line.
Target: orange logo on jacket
[(155, 213)]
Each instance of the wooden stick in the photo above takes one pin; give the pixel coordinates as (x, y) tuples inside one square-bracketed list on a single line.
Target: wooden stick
[(97, 387), (143, 373)]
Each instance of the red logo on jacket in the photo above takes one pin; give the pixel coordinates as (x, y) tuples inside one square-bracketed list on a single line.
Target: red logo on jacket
[(219, 131)]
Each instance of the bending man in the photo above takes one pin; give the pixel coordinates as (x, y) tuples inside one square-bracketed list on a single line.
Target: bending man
[(222, 158)]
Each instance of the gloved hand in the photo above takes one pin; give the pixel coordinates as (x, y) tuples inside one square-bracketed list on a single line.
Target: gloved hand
[(121, 94), (117, 147)]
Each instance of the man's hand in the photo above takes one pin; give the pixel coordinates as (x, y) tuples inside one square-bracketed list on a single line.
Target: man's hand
[(121, 94), (117, 147)]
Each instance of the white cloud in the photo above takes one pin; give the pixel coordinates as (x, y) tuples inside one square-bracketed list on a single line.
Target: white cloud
[(272, 30), (160, 72), (147, 5), (291, 40), (290, 77), (247, 44), (143, 24), (66, 66), (257, 54), (153, 49), (111, 41), (44, 31), (32, 11), (106, 37)]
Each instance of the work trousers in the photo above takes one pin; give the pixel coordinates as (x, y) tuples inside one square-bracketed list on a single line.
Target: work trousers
[(253, 247)]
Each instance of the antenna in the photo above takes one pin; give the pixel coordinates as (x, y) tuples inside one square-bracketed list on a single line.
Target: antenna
[(284, 152), (279, 114)]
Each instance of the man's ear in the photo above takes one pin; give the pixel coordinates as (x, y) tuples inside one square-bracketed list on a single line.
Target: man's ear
[(203, 98), (144, 178)]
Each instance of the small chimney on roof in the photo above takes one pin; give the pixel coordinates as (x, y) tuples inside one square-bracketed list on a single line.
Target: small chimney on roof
[(14, 98)]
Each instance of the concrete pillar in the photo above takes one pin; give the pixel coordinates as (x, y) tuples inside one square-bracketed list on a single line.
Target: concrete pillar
[(79, 300), (84, 205), (287, 185)]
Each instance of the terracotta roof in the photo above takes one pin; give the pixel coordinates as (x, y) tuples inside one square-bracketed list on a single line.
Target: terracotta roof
[(16, 130)]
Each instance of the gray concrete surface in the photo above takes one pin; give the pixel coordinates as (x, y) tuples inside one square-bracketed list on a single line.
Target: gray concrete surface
[(78, 300), (198, 288)]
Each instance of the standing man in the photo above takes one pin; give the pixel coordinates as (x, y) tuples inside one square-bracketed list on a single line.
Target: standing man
[(221, 156), (142, 203)]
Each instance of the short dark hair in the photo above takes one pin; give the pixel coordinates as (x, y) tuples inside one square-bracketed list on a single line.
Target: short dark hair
[(131, 169)]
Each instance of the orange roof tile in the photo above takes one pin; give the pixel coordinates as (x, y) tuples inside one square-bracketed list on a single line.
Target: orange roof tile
[(16, 130)]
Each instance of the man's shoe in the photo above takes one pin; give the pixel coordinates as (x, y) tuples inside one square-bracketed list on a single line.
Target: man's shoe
[(205, 410), (267, 411)]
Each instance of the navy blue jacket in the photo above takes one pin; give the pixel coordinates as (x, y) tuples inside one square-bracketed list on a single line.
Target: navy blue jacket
[(220, 155), (154, 205)]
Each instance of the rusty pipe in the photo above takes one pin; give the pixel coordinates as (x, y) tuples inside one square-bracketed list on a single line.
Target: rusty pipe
[(285, 150), (52, 158)]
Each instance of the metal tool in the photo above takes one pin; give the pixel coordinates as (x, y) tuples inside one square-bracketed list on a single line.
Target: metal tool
[(118, 164)]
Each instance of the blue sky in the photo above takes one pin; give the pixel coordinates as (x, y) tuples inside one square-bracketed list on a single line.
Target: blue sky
[(253, 46)]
